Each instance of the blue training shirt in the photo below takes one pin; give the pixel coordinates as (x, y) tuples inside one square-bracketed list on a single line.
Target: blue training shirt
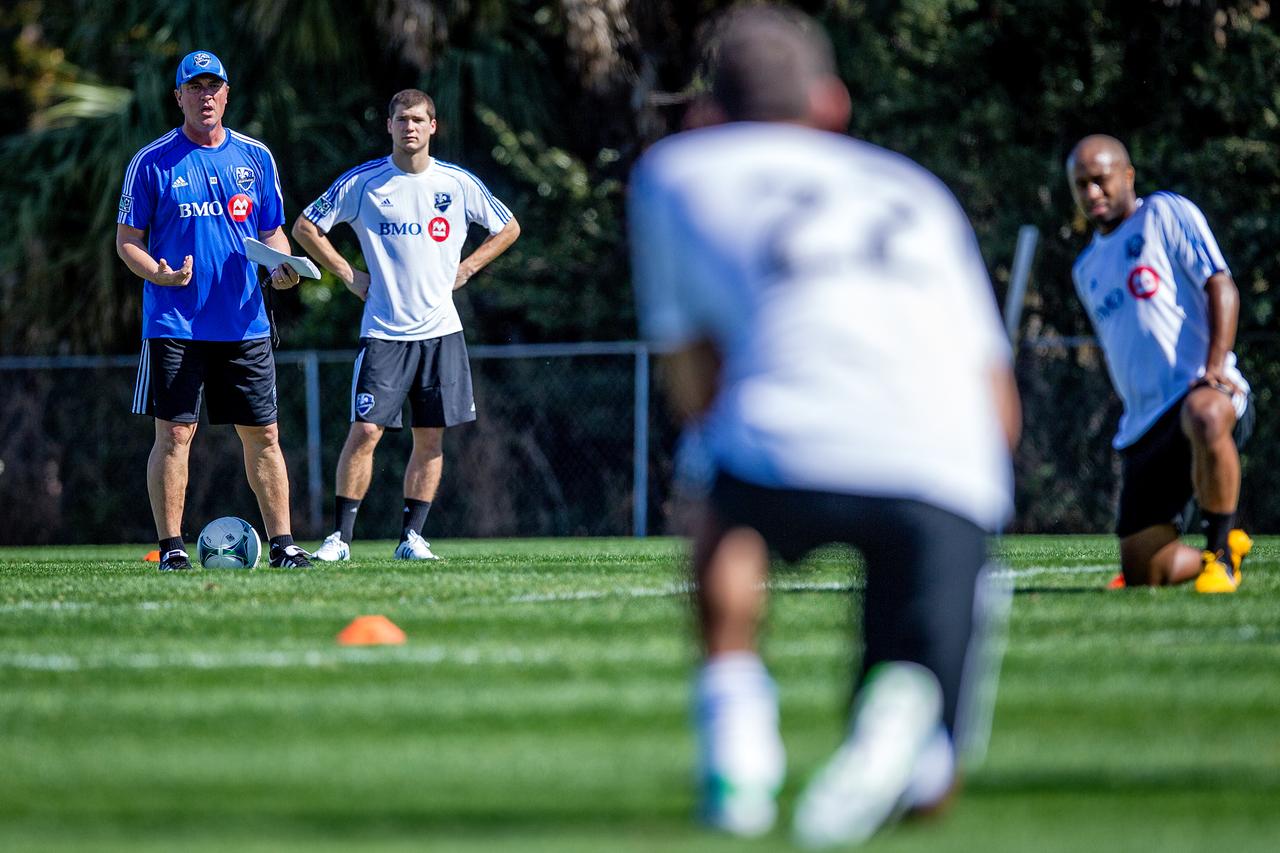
[(203, 202)]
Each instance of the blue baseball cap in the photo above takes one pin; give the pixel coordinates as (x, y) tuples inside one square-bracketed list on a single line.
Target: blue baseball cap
[(199, 62)]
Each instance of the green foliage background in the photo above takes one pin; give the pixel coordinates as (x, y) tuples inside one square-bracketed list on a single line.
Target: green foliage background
[(550, 101)]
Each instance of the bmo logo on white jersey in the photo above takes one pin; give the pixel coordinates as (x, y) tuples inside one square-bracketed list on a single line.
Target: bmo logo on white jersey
[(438, 228), (399, 229), (1144, 282), (188, 209)]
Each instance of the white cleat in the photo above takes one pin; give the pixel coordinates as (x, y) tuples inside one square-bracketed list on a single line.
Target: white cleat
[(862, 786), (415, 548), (742, 760), (747, 811), (333, 549)]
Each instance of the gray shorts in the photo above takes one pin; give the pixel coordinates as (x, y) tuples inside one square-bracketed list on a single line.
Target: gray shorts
[(433, 375)]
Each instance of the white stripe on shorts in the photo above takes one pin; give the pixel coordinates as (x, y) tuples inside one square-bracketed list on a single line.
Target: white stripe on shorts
[(355, 377), (142, 384)]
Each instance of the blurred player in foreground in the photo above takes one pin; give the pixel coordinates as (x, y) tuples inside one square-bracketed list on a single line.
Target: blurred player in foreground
[(832, 328), (189, 200), (1164, 306), (410, 212)]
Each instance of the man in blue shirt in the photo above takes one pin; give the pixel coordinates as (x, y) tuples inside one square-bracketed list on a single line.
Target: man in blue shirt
[(189, 200)]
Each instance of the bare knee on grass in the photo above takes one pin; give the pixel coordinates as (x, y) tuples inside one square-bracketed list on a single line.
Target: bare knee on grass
[(1156, 557)]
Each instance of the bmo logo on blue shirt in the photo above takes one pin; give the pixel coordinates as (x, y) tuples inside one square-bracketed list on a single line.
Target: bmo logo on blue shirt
[(399, 229), (188, 209)]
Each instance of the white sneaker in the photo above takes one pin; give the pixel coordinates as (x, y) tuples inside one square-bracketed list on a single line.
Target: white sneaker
[(741, 758), (333, 549), (934, 775), (862, 786), (415, 548)]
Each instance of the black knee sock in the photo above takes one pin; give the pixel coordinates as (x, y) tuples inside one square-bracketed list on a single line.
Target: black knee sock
[(344, 516), (1217, 525), (415, 516), (173, 543), (279, 543)]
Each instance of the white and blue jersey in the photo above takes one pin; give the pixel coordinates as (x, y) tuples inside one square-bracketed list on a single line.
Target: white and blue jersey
[(1142, 286), (411, 227), (843, 287), (203, 202)]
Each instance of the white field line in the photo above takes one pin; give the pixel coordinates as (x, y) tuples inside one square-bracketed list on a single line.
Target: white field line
[(253, 659), (415, 654), (1033, 571), (682, 588), (783, 585)]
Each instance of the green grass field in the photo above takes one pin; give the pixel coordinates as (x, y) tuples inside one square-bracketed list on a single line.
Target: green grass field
[(540, 703)]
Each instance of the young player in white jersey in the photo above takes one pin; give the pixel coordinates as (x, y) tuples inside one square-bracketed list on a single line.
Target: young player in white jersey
[(834, 334), (1165, 308), (410, 212)]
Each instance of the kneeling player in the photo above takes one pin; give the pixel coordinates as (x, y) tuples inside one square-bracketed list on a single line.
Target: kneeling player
[(1164, 306), (833, 329)]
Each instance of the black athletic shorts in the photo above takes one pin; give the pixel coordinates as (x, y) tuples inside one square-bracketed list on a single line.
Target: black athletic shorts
[(1156, 485), (923, 564), (238, 377), (433, 375)]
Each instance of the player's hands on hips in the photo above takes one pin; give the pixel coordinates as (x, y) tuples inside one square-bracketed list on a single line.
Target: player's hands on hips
[(1217, 378), (462, 276), (284, 277), (166, 276), (359, 284)]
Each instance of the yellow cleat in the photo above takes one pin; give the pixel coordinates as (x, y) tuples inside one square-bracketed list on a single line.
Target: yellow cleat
[(1238, 545), (1215, 576)]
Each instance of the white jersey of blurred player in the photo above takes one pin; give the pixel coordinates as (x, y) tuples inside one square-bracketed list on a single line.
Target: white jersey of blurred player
[(1143, 288), (411, 228), (818, 389)]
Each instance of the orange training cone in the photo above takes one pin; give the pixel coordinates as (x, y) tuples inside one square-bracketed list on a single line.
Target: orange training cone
[(371, 631), (151, 556)]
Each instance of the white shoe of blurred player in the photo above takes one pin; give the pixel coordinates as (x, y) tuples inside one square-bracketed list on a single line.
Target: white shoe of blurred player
[(742, 761), (862, 786), (934, 775), (414, 548), (333, 549)]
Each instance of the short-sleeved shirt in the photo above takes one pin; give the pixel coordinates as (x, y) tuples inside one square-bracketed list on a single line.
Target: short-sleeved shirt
[(411, 227), (1143, 287), (843, 288), (203, 202)]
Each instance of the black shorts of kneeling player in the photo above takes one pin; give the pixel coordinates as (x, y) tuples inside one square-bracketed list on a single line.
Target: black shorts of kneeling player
[(923, 564), (1156, 473), (238, 378), (434, 375)]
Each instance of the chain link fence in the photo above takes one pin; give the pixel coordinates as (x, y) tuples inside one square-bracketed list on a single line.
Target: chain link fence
[(553, 453)]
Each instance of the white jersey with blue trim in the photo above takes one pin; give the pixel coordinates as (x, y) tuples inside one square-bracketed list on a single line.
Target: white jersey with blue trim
[(411, 227), (843, 287), (1142, 286)]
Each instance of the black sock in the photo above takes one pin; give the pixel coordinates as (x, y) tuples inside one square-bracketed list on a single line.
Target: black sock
[(344, 516), (1217, 525), (415, 516), (173, 543), (279, 543)]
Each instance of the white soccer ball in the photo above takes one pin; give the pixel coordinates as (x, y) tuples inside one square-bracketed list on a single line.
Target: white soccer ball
[(228, 543)]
